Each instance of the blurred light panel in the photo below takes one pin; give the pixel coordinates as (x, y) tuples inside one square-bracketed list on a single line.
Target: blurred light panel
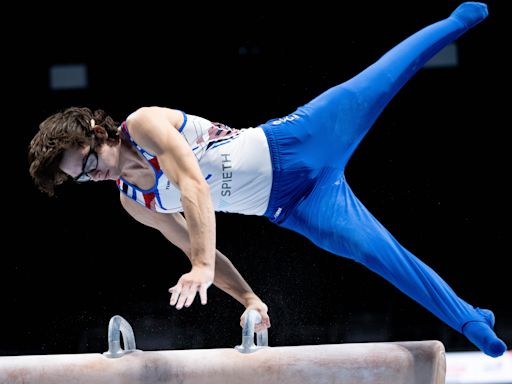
[(68, 76)]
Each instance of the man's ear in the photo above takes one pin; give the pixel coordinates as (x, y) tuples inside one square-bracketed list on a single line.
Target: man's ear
[(100, 132), (102, 136)]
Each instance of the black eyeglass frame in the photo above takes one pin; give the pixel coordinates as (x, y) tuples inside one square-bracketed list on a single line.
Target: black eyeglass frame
[(84, 175)]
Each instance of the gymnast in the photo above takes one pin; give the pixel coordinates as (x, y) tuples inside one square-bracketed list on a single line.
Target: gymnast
[(174, 170)]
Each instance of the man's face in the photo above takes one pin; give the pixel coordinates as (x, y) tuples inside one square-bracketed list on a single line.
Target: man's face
[(94, 163)]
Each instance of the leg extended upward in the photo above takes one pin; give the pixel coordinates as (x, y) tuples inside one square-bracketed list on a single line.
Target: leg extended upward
[(331, 215)]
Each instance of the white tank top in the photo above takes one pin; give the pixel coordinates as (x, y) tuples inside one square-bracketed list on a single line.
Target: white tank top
[(235, 163)]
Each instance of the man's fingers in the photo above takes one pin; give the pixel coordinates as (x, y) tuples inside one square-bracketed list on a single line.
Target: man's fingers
[(202, 293), (264, 324), (184, 292), (175, 291), (191, 296), (183, 297)]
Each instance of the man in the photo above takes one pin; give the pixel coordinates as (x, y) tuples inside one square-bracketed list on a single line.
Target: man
[(290, 170)]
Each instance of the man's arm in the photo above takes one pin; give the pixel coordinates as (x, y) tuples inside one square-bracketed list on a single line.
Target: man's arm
[(153, 129), (174, 228)]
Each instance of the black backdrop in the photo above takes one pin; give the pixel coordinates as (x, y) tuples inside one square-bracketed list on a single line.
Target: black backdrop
[(433, 170)]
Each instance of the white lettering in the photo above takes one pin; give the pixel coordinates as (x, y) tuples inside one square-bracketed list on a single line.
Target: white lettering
[(284, 119)]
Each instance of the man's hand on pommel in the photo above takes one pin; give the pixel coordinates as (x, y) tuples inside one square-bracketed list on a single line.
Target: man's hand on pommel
[(262, 309)]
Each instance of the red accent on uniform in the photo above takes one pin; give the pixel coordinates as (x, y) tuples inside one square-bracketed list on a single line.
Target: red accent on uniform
[(154, 163), (148, 198)]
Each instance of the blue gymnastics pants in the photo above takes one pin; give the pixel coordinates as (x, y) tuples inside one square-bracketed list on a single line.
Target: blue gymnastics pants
[(310, 149)]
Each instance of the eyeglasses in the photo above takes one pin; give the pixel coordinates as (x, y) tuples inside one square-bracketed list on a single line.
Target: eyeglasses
[(89, 165)]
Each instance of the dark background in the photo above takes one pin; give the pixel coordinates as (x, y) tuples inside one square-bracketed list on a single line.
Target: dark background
[(434, 170)]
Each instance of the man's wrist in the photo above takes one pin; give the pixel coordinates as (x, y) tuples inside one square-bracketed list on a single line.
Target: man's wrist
[(250, 298)]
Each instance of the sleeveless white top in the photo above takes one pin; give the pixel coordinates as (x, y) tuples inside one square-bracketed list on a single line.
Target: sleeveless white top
[(235, 163)]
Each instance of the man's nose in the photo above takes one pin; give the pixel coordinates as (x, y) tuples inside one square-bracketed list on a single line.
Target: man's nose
[(95, 174)]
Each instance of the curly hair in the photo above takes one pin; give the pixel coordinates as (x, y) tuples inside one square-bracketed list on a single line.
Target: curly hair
[(61, 131)]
